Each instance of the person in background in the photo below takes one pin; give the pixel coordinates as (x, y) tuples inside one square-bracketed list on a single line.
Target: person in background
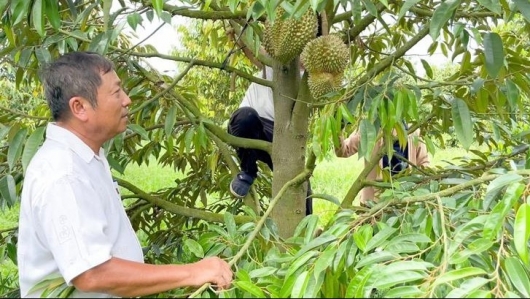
[(414, 151), (72, 222), (254, 119)]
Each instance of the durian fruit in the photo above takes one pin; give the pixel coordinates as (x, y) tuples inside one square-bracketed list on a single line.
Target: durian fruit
[(325, 59), (326, 54), (286, 38), (323, 83)]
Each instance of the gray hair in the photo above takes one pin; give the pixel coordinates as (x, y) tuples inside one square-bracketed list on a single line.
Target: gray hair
[(73, 74)]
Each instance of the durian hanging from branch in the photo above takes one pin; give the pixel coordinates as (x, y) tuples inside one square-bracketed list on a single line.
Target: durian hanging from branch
[(285, 38), (325, 59)]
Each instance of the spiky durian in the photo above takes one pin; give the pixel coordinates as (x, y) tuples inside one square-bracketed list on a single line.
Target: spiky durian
[(323, 83), (286, 38), (325, 54)]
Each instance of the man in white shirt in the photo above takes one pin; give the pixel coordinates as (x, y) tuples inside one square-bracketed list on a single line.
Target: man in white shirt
[(254, 119), (72, 222)]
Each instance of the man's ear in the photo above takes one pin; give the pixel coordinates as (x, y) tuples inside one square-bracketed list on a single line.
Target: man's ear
[(79, 108)]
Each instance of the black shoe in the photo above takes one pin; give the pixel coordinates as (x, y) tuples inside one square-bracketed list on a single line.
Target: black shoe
[(240, 185)]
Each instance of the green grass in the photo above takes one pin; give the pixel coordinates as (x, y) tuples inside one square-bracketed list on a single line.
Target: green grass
[(150, 177)]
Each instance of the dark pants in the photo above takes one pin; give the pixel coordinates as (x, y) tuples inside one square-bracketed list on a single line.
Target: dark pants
[(246, 123)]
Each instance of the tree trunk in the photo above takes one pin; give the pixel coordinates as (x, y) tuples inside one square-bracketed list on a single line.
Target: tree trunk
[(289, 147)]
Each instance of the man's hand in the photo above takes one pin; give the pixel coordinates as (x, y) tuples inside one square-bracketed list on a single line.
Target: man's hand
[(213, 270)]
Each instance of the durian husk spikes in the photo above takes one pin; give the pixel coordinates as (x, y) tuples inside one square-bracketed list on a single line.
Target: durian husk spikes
[(321, 84), (286, 38), (326, 54)]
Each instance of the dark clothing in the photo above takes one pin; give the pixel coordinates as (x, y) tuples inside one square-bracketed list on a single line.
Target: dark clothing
[(245, 122), (396, 165)]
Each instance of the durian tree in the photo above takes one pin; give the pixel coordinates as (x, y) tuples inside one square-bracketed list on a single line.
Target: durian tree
[(338, 66)]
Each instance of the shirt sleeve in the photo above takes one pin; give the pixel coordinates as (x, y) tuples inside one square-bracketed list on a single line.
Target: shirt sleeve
[(72, 223), (422, 155), (349, 146)]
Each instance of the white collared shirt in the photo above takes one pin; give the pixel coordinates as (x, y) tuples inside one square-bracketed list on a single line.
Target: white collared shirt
[(71, 215), (260, 97)]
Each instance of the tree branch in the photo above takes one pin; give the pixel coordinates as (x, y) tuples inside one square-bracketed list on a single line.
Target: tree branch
[(179, 210), (197, 14), (459, 14), (205, 63)]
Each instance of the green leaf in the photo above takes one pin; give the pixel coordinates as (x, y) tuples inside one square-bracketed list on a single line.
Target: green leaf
[(37, 14), (476, 247), (232, 5), (521, 231), (43, 55), (362, 235), (441, 15), (115, 165), (251, 288), (48, 284), (8, 190), (157, 6), (512, 93), (380, 238), (194, 247), (332, 199), (494, 53), (391, 279), (492, 5), (170, 120), (518, 276), (324, 261), (427, 67), (230, 224), (462, 122), (317, 242), (134, 19), (25, 56), (346, 113), (52, 12), (496, 185), (287, 286), (341, 252), (263, 272), (404, 292), (376, 257), (467, 287), (32, 145), (300, 262), (399, 266), (368, 136), (15, 148), (20, 10), (463, 232), (300, 285), (458, 274), (356, 286), (406, 6), (524, 8), (495, 221), (370, 7), (139, 130)]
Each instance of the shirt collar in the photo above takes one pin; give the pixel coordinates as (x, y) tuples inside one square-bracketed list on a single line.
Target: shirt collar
[(71, 141)]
